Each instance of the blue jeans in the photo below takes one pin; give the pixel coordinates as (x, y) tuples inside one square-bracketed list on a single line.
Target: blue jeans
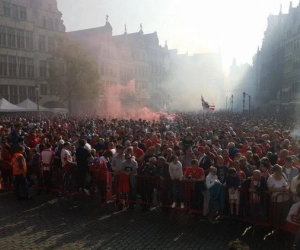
[(217, 197)]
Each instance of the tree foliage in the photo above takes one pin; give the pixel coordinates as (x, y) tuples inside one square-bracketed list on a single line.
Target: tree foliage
[(73, 75)]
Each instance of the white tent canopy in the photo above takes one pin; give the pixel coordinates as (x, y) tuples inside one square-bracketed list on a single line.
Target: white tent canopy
[(29, 105), (6, 106)]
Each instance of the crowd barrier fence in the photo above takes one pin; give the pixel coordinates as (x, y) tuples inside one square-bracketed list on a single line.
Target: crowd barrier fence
[(260, 209)]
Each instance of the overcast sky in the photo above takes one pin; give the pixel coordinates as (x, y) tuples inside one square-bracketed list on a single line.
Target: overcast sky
[(194, 26)]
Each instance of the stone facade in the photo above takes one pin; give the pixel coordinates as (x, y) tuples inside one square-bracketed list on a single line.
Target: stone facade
[(126, 58), (27, 31), (278, 62)]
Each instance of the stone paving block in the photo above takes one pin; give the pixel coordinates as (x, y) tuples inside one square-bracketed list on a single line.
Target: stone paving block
[(43, 224)]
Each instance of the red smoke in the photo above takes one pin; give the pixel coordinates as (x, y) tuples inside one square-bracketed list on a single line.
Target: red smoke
[(122, 102)]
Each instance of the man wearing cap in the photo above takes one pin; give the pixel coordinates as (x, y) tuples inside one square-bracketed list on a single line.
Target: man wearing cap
[(204, 160)]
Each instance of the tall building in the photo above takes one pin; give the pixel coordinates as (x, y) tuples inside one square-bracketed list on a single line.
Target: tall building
[(126, 59), (278, 62), (290, 89), (27, 31)]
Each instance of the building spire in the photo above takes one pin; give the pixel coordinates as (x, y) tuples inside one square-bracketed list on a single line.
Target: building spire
[(166, 44), (125, 29), (141, 27), (106, 18), (280, 10)]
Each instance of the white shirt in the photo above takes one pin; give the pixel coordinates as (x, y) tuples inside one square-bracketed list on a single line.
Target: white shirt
[(295, 182), (175, 170), (47, 156), (65, 155), (210, 180), (293, 211), (272, 183), (88, 147)]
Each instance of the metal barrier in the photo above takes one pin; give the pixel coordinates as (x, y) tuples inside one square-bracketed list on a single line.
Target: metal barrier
[(260, 209), (6, 173)]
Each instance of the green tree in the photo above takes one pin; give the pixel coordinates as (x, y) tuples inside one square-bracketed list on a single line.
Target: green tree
[(73, 75)]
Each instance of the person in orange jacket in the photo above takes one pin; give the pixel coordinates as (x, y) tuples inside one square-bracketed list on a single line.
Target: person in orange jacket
[(19, 171)]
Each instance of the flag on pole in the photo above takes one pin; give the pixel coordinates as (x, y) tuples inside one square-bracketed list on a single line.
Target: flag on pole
[(206, 105)]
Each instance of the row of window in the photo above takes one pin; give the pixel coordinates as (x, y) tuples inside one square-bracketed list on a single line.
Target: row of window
[(14, 11), (23, 39), (288, 66), (16, 38), (50, 24), (20, 13), (136, 55), (291, 65), (291, 32), (107, 69), (14, 66), (139, 85), (293, 81), (16, 94)]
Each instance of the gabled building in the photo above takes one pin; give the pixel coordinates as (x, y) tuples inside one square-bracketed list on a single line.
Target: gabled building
[(129, 58), (27, 30)]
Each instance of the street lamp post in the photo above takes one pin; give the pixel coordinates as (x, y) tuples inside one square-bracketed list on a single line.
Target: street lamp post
[(231, 103), (249, 96), (37, 88), (244, 101), (226, 102)]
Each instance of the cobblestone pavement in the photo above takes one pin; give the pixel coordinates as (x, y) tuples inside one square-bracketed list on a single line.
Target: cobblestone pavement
[(44, 223)]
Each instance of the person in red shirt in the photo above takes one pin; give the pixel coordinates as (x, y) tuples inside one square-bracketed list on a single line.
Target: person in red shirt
[(245, 147), (227, 161), (266, 147), (138, 154), (194, 177), (33, 141), (151, 141)]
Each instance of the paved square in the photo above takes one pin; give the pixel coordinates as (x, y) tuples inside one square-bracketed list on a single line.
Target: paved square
[(44, 223)]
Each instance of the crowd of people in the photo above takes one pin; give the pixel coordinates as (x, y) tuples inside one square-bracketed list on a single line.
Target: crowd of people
[(216, 163)]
